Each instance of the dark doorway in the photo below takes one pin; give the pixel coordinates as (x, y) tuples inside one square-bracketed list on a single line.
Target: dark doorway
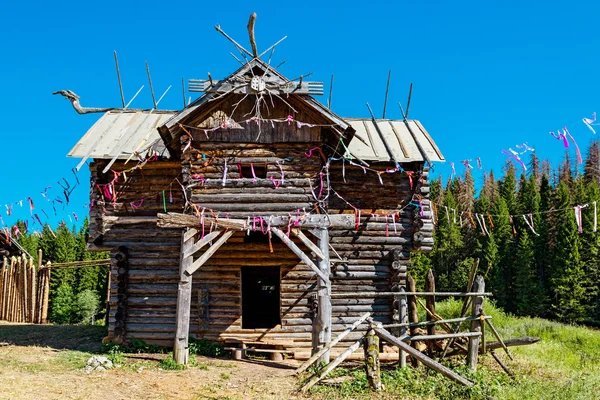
[(260, 297)]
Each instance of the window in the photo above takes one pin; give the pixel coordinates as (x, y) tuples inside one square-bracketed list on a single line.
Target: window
[(260, 171)]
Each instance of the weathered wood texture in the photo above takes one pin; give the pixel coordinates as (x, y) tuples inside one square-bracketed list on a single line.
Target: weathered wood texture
[(374, 258), (21, 289)]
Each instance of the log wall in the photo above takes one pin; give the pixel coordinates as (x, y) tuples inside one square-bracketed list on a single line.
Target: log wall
[(373, 258)]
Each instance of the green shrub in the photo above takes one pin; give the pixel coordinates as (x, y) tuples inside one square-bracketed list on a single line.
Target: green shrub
[(87, 306), (203, 347), (169, 364), (63, 302)]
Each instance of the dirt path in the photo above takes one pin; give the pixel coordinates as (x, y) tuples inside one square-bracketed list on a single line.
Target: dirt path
[(48, 363)]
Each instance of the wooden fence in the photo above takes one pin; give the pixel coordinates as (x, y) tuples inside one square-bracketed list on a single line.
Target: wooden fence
[(24, 290)]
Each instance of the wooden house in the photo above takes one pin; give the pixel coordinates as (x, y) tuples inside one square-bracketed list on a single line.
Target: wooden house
[(279, 221)]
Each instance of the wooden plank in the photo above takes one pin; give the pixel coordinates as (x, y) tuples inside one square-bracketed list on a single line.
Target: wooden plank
[(335, 341), (296, 250), (448, 373), (308, 243), (202, 242), (207, 254)]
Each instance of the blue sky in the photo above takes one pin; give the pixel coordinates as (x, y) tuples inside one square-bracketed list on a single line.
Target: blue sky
[(487, 75)]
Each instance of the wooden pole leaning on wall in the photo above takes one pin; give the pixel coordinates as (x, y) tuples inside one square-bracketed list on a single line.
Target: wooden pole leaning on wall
[(371, 348), (476, 311)]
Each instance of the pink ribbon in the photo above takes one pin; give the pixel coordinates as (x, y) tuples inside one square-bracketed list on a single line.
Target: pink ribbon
[(516, 158)]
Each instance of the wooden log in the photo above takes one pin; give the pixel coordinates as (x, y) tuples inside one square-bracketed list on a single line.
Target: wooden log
[(308, 243), (175, 220), (371, 350), (523, 341), (2, 287), (207, 254), (385, 335), (184, 298), (332, 365), (434, 322), (403, 311), (301, 255), (497, 335), (476, 311), (409, 293), (322, 324), (440, 336), (413, 313), (504, 367), (335, 341), (25, 290), (430, 302)]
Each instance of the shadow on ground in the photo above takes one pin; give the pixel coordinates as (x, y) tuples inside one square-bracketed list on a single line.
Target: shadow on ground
[(60, 337)]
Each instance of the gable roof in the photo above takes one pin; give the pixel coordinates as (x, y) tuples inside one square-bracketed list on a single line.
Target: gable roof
[(170, 128), (120, 133), (407, 141)]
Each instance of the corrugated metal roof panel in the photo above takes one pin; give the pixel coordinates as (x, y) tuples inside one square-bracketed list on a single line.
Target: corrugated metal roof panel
[(405, 140), (121, 133)]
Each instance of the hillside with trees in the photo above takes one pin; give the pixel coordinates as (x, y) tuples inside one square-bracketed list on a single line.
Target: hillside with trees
[(537, 259)]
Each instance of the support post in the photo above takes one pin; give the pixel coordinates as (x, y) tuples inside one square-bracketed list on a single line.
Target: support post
[(184, 299), (476, 311), (403, 319), (413, 313), (371, 347), (322, 324), (430, 302), (46, 297)]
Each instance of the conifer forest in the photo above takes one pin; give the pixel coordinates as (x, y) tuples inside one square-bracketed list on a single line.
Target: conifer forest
[(534, 231)]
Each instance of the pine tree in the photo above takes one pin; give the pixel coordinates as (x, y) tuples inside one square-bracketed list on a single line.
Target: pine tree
[(448, 241), (592, 163), (567, 275)]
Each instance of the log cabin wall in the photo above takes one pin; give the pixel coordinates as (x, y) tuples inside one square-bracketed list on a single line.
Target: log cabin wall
[(142, 297)]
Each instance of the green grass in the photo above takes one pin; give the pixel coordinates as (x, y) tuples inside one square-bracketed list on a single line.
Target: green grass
[(565, 364)]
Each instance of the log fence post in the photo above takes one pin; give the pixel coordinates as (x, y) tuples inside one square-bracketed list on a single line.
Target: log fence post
[(413, 313), (476, 311), (322, 326), (430, 303), (181, 351)]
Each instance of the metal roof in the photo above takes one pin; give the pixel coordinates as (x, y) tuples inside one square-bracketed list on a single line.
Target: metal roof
[(121, 133), (407, 141)]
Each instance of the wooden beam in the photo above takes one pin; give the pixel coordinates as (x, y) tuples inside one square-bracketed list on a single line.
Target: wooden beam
[(202, 242), (331, 366), (177, 220), (308, 243), (301, 255), (184, 300), (322, 324), (448, 373), (208, 253), (335, 341)]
